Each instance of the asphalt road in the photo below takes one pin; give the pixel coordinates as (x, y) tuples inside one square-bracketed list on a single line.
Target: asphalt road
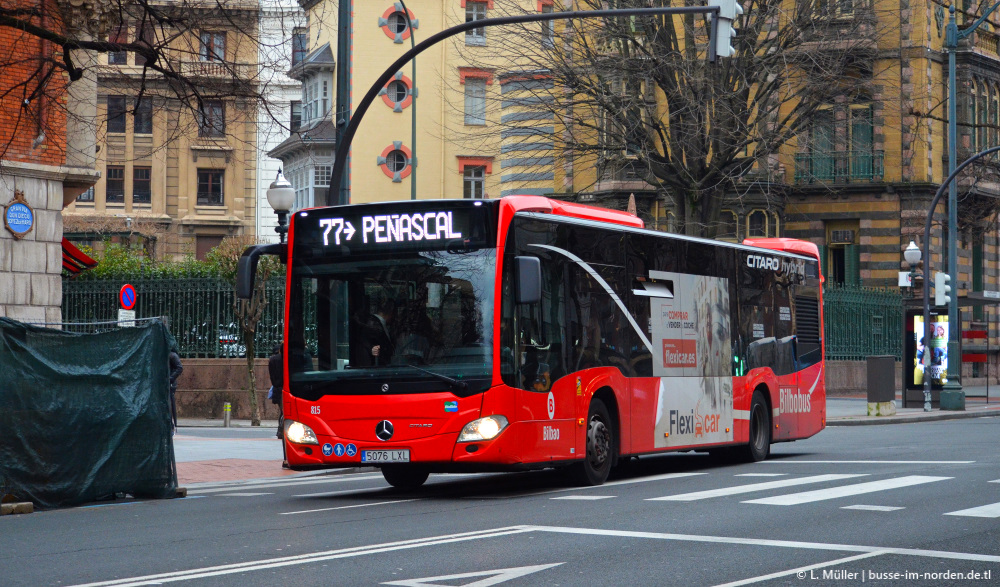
[(911, 504)]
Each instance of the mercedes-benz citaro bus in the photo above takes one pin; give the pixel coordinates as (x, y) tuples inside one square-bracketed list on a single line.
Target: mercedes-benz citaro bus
[(525, 332)]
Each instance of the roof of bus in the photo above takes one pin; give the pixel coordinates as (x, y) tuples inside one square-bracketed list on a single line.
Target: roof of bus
[(790, 245), (571, 209)]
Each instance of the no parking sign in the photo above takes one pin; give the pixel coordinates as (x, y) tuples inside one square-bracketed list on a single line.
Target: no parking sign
[(126, 315)]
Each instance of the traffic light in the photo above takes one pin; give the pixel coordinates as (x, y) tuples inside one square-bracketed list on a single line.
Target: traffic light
[(942, 289), (723, 27)]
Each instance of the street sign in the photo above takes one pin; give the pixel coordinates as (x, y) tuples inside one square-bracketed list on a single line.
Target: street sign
[(127, 297), (126, 318)]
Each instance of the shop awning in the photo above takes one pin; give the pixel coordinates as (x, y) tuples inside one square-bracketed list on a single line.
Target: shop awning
[(74, 260)]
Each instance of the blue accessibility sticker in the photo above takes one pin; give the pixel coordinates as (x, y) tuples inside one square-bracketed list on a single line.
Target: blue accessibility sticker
[(327, 449), (338, 450), (351, 450)]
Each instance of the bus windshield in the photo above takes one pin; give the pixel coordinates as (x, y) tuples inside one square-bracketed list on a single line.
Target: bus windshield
[(408, 322)]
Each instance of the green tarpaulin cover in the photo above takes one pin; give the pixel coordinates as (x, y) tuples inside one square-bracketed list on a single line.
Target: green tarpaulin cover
[(84, 417)]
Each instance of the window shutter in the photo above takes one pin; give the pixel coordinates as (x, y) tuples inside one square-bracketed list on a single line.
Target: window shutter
[(852, 265)]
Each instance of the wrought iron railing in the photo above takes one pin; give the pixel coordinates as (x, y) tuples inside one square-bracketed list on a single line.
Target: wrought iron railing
[(199, 311), (861, 322), (839, 167)]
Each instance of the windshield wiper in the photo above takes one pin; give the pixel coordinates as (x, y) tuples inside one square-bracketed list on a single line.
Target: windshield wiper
[(459, 385)]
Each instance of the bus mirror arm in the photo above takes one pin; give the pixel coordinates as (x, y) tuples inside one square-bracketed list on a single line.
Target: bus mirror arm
[(528, 285), (246, 269)]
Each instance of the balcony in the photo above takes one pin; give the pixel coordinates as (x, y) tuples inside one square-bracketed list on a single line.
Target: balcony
[(217, 69), (840, 167)]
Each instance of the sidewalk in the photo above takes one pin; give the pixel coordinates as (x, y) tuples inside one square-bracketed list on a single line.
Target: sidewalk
[(206, 452)]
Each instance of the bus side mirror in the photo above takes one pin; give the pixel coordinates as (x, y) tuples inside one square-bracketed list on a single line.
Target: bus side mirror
[(528, 284), (246, 268)]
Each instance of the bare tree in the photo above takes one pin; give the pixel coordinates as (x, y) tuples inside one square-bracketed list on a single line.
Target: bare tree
[(170, 52), (637, 97)]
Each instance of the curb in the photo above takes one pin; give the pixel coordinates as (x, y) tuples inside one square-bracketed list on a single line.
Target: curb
[(874, 421), (23, 507)]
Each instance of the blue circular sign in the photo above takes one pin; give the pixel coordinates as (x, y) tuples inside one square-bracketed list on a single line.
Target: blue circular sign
[(127, 296), (351, 450), (338, 450), (19, 218), (327, 449)]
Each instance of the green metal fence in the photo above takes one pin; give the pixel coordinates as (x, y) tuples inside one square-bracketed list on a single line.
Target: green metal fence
[(199, 311), (862, 322)]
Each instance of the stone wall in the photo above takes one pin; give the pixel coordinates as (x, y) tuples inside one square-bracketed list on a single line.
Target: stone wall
[(31, 267)]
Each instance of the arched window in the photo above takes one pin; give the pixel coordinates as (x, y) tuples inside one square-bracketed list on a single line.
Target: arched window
[(983, 116), (757, 224), (972, 116), (775, 228), (994, 118), (728, 226)]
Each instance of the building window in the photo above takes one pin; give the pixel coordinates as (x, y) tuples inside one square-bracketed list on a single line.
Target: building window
[(145, 37), (118, 35), (757, 224), (300, 42), (728, 226), (475, 101), (395, 162), (474, 182), (397, 23), (296, 121), (87, 195), (144, 116), (548, 27), (212, 119), (213, 46), (398, 93), (141, 192), (394, 24), (322, 175), (317, 99), (210, 187), (114, 191), (475, 11), (116, 113)]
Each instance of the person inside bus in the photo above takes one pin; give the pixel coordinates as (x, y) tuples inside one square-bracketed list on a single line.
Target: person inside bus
[(378, 333), (415, 333), (535, 374)]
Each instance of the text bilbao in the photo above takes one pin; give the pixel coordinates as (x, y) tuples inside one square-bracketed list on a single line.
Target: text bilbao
[(392, 228)]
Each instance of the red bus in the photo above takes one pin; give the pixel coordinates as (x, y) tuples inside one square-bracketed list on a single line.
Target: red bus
[(526, 332)]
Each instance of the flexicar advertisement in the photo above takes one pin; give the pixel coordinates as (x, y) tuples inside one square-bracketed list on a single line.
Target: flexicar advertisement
[(691, 333)]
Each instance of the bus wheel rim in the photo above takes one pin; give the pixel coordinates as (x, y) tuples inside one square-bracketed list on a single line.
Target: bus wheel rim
[(598, 443)]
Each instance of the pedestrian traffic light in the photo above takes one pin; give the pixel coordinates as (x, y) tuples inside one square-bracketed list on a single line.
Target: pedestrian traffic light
[(942, 289), (723, 28)]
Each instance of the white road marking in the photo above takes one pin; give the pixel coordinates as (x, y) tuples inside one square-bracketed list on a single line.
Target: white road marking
[(491, 577), (780, 461), (608, 484), (801, 569), (950, 555), (994, 481), (847, 490), (873, 508), (302, 559), (347, 507), (275, 563), (984, 511), (738, 489), (585, 497), (760, 475), (241, 494), (194, 490)]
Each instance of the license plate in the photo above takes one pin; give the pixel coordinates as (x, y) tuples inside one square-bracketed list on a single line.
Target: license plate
[(385, 456)]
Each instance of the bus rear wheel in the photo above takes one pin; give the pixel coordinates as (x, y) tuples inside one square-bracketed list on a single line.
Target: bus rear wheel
[(760, 431), (596, 465), (404, 477)]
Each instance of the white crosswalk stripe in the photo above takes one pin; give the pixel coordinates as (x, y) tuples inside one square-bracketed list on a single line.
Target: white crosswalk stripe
[(738, 489), (847, 490), (984, 511), (873, 508)]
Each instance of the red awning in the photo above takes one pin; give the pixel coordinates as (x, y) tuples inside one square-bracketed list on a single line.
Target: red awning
[(74, 261)]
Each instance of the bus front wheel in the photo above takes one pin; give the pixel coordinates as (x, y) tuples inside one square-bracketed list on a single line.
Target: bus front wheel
[(596, 465), (404, 477), (760, 430)]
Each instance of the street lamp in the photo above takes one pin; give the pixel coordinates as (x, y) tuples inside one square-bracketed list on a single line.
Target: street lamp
[(912, 256), (281, 197)]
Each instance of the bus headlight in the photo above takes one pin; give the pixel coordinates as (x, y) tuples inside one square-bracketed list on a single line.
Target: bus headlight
[(299, 433), (483, 429)]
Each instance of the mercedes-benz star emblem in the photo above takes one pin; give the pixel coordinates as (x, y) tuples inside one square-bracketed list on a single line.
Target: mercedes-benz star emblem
[(384, 430), (385, 387)]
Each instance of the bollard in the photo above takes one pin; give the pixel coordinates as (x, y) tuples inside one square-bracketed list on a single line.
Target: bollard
[(227, 410)]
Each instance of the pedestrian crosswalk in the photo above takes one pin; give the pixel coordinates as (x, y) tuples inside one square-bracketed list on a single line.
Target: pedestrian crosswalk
[(738, 489), (986, 511)]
